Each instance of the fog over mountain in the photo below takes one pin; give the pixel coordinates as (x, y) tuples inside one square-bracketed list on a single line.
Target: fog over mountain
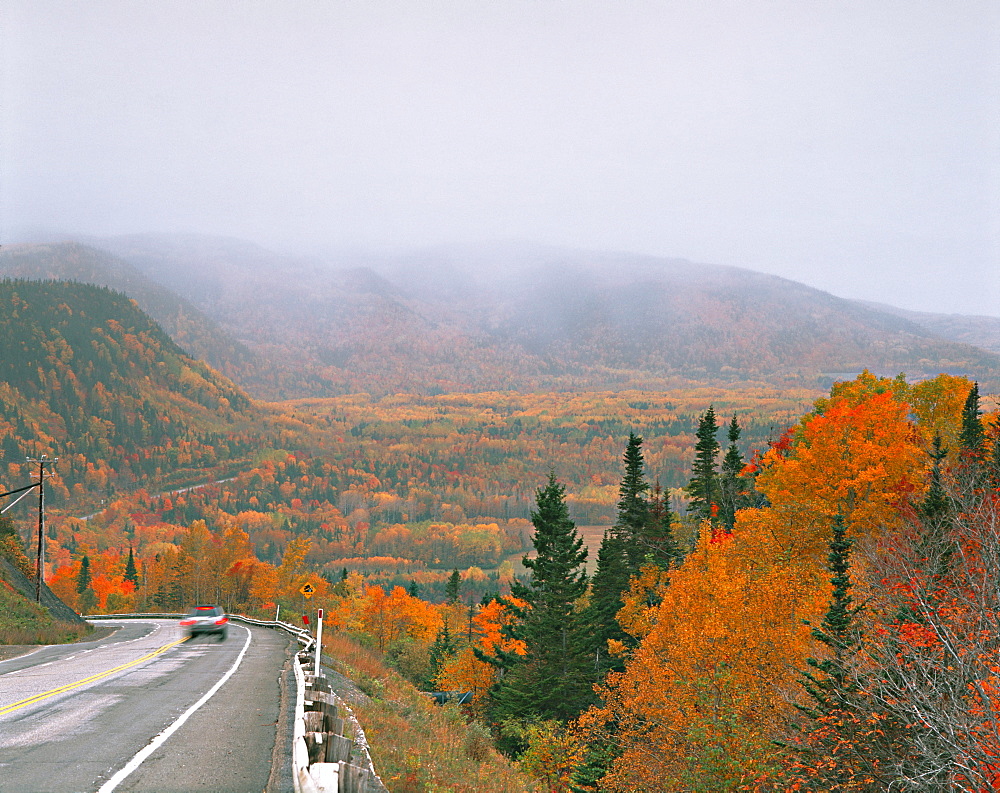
[(499, 318), (850, 146)]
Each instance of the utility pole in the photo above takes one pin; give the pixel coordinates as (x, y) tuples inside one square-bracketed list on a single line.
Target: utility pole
[(40, 559)]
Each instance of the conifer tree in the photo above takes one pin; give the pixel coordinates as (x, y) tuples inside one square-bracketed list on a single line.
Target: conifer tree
[(632, 520), (833, 689), (934, 506), (83, 576), (451, 588), (86, 597), (623, 551), (704, 486), (552, 680), (973, 437), (825, 751), (131, 574), (610, 581), (732, 492)]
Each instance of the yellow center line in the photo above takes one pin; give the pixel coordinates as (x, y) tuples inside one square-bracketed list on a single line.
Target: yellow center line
[(91, 679)]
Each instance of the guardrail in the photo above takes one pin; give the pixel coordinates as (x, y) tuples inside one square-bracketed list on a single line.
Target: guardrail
[(324, 760)]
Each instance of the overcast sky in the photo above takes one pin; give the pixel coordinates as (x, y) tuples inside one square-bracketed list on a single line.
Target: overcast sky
[(854, 146)]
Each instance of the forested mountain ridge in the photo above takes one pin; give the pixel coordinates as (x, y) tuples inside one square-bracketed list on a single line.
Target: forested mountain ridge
[(88, 377), (187, 325), (528, 318)]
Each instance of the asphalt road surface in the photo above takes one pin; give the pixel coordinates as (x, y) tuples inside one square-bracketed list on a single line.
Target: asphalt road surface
[(75, 717)]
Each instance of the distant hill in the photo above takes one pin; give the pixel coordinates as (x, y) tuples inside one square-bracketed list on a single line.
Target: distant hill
[(968, 329), (188, 326), (88, 377), (531, 318)]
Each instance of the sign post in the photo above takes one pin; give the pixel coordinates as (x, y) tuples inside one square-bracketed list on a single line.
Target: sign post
[(319, 639)]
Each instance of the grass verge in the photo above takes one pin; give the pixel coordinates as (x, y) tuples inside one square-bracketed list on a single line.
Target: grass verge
[(417, 746), (24, 622)]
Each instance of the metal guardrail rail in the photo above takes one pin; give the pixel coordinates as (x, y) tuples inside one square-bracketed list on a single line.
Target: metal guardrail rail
[(323, 759)]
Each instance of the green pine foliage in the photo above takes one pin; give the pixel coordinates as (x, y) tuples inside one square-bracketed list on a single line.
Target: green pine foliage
[(83, 576), (452, 588), (704, 485), (973, 437), (834, 729), (131, 573), (733, 491), (554, 679), (609, 583), (633, 504), (623, 551), (834, 686), (935, 506)]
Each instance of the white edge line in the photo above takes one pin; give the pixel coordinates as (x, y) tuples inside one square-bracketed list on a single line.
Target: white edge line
[(158, 741)]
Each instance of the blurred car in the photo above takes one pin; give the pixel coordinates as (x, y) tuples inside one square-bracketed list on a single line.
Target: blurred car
[(206, 620)]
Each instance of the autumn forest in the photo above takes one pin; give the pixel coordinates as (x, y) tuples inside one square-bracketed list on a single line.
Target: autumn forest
[(741, 586)]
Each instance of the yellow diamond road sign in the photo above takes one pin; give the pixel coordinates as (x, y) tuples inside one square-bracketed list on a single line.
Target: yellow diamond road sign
[(307, 589)]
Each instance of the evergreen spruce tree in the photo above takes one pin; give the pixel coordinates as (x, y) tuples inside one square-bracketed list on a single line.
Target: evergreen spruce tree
[(835, 686), (973, 437), (935, 507), (732, 491), (610, 582), (623, 550), (451, 588), (131, 573), (553, 679), (828, 740), (86, 597), (83, 576), (413, 590), (704, 486), (632, 520)]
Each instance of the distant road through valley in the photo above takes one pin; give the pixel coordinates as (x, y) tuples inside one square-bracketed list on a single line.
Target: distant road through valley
[(74, 716)]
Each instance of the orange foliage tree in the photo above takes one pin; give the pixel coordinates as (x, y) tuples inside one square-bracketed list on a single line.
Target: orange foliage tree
[(714, 678)]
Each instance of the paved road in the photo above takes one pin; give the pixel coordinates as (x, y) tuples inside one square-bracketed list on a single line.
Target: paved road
[(73, 716)]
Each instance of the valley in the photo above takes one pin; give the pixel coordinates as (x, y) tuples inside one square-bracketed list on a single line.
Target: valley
[(438, 463)]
